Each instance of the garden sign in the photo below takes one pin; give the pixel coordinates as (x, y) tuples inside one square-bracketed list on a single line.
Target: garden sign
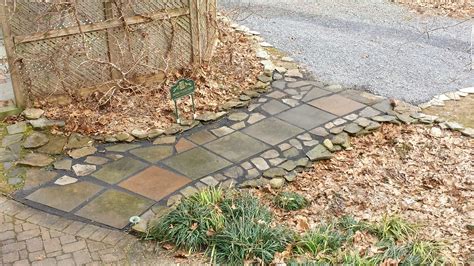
[(182, 88)]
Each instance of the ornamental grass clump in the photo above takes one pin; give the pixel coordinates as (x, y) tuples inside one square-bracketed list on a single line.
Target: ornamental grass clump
[(290, 201), (324, 239)]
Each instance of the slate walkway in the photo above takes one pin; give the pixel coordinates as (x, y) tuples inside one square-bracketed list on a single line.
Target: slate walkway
[(141, 178)]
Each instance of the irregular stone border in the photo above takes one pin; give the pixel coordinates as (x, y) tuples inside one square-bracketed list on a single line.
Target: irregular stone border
[(439, 100)]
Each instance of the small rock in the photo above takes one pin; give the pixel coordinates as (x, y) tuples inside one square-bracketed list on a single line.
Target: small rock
[(63, 165), (277, 183), (352, 128), (468, 132), (82, 152), (264, 78), (251, 94), (260, 163), (294, 73), (373, 126), (270, 154), (287, 59), (281, 70), (96, 160), (383, 118), (42, 123), (210, 116), (436, 132), (234, 172), (189, 191), (154, 133), (254, 118), (17, 128), (351, 117), (305, 137), (32, 113), (362, 121), (328, 144), (339, 121), (329, 125), (253, 173), (291, 176), (341, 139), (291, 153), (238, 126), (165, 140), (288, 165), (233, 104), (266, 44), (369, 112), (210, 181), (174, 129), (319, 153), (274, 172), (290, 102), (222, 131), (455, 126), (83, 169), (263, 55), (140, 133), (406, 118), (310, 143), (276, 161), (123, 136), (469, 90), (77, 141), (65, 180), (295, 143), (36, 160), (255, 183), (284, 146), (35, 140), (336, 130), (320, 132), (238, 116), (244, 98)]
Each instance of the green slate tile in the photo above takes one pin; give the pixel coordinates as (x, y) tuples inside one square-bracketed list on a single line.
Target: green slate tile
[(236, 147), (153, 154), (117, 171), (65, 198), (196, 163), (114, 208)]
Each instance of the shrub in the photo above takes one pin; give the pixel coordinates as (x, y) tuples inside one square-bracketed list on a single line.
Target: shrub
[(323, 239), (243, 205), (393, 227), (189, 225), (423, 253), (242, 240), (354, 258), (290, 201)]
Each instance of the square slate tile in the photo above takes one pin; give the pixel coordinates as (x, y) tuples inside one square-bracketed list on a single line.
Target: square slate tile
[(117, 171), (236, 147), (315, 93), (196, 163), (306, 117), (274, 107), (153, 154), (272, 131), (202, 137), (114, 208), (362, 96), (337, 105), (65, 198), (155, 183)]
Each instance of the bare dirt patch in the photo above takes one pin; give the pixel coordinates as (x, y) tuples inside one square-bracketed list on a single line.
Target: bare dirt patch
[(459, 111), (398, 170), (444, 8), (233, 69)]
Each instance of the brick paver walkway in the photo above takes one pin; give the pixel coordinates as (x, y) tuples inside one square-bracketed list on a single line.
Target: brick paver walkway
[(32, 237)]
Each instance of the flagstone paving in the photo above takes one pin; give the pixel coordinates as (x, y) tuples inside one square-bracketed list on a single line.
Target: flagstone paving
[(279, 129)]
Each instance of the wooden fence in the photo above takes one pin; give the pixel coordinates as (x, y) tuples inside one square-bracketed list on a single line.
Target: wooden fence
[(58, 47)]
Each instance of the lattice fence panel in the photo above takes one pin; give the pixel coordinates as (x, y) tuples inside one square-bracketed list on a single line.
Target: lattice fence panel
[(62, 47)]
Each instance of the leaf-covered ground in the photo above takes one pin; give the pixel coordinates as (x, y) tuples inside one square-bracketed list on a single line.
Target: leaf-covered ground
[(233, 69), (399, 170)]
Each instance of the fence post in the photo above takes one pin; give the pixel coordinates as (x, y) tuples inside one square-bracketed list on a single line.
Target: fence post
[(12, 63), (112, 48), (194, 8), (211, 16)]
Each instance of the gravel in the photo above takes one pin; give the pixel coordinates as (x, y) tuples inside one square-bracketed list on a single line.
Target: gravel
[(373, 45)]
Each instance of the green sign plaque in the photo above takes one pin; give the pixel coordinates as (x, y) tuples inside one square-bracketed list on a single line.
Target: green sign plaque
[(182, 88)]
